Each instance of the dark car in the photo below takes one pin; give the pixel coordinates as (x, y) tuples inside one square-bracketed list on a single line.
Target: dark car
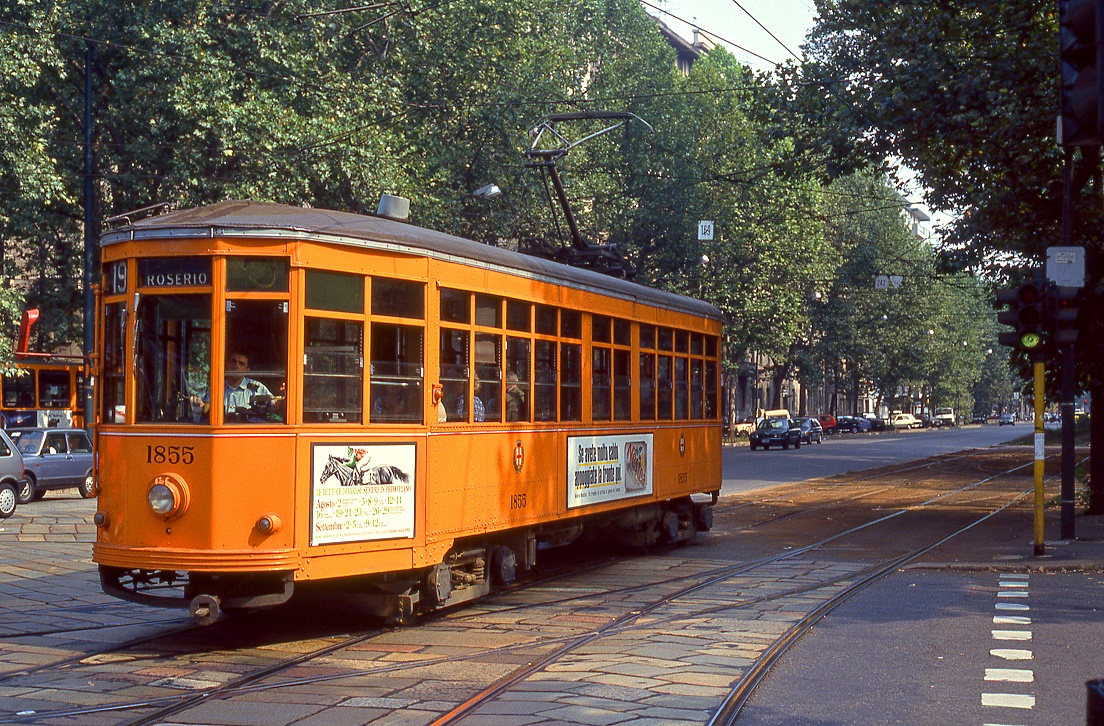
[(54, 459), (811, 431), (776, 432), (876, 424), (848, 425)]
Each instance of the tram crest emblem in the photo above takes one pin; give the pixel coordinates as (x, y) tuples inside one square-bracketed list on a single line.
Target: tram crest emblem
[(519, 457)]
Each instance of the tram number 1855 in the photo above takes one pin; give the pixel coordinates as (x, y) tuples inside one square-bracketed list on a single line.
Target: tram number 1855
[(170, 454)]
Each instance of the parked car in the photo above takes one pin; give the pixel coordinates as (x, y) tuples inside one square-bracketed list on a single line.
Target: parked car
[(743, 427), (811, 430), (827, 422), (979, 418), (1006, 419), (55, 459), (876, 424), (11, 475), (906, 421), (847, 425), (776, 432), (944, 417)]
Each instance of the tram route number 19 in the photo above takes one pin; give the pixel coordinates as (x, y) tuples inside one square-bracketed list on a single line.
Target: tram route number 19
[(170, 454)]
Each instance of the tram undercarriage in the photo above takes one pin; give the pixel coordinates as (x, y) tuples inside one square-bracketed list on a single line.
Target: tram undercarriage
[(471, 570)]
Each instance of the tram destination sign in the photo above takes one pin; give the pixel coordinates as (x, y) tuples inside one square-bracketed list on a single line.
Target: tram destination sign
[(174, 272)]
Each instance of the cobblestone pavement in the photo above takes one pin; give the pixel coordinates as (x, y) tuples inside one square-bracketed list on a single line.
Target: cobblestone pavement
[(667, 654)]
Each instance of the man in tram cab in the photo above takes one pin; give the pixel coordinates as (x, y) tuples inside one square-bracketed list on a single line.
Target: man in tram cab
[(239, 393)]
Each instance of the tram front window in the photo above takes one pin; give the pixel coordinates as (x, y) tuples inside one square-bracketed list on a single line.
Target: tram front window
[(173, 372), (254, 389)]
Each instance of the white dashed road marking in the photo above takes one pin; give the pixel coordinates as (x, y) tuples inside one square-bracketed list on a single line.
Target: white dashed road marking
[(1007, 700), (1012, 675), (1012, 587)]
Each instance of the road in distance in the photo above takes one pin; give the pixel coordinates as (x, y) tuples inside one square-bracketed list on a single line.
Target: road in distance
[(746, 470)]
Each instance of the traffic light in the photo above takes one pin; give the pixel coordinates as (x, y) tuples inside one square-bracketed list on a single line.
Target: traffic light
[(1063, 309), (1080, 23), (1025, 315)]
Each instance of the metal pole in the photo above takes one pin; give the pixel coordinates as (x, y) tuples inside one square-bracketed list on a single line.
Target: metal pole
[(89, 341), (1040, 458), (1069, 384)]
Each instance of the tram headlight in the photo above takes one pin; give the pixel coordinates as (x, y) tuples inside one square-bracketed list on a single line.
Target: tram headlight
[(168, 496), (161, 500)]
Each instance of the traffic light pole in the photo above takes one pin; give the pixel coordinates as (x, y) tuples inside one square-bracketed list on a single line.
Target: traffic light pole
[(1040, 457)]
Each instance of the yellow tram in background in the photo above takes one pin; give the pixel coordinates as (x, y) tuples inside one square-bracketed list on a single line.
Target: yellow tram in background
[(291, 396)]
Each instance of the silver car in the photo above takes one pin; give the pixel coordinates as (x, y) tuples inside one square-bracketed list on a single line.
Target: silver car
[(54, 459), (11, 475)]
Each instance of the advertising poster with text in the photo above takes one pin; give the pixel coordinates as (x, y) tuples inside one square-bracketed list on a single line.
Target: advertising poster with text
[(361, 492), (607, 468)]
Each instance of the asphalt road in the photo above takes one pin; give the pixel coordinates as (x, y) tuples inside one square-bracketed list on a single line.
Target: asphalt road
[(746, 470), (926, 647)]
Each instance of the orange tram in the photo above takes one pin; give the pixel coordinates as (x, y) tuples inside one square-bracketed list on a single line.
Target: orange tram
[(290, 396)]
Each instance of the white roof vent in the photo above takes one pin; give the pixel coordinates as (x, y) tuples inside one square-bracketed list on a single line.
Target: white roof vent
[(393, 207)]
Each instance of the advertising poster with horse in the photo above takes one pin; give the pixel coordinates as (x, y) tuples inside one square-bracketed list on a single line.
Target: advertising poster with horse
[(361, 492)]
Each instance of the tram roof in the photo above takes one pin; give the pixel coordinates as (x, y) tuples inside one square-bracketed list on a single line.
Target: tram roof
[(264, 219)]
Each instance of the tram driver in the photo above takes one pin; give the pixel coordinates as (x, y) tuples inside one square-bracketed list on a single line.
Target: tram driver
[(241, 395)]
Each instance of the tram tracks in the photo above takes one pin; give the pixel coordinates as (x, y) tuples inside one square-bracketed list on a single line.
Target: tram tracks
[(552, 648)]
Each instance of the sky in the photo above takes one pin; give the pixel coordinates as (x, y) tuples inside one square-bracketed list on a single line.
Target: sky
[(788, 20)]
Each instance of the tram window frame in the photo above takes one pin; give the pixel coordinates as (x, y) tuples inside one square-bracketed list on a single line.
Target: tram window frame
[(647, 367), (397, 381), (62, 379), (664, 388), (681, 372), (327, 358), (113, 370), (601, 383), (18, 391), (246, 331), (665, 339), (455, 380), (333, 292), (519, 316), (257, 274), (571, 324), (647, 336), (711, 409), (166, 357), (519, 368), (697, 387), (571, 381), (546, 379), (546, 319)]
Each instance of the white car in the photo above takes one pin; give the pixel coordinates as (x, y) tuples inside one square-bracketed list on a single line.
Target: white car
[(905, 421)]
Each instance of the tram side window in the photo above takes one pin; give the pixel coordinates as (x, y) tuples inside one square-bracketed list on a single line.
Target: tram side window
[(173, 372), (663, 387), (488, 374), (682, 393), (647, 387), (332, 389), (710, 389), (113, 376), (455, 373), (544, 380), (600, 383), (517, 379), (396, 373), (19, 390), (571, 382), (622, 385), (696, 388), (255, 386), (54, 389)]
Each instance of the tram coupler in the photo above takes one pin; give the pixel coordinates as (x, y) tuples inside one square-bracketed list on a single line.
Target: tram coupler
[(205, 609)]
